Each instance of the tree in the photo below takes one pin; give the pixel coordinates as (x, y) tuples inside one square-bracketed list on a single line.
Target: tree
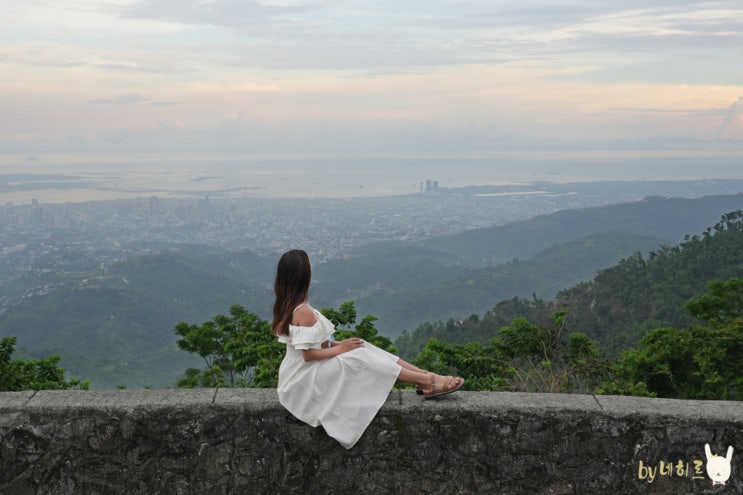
[(474, 328), (238, 350), (627, 301), (32, 374), (703, 361), (723, 302), (482, 366), (526, 357), (345, 316)]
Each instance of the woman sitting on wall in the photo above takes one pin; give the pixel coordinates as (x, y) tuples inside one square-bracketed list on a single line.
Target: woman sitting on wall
[(339, 385)]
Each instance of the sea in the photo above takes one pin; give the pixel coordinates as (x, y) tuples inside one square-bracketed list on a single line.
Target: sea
[(65, 178)]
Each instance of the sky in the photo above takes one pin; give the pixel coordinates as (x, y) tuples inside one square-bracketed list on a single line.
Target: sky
[(370, 78)]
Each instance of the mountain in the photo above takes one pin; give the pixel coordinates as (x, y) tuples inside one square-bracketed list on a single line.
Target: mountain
[(620, 303), (623, 302), (669, 219), (406, 284), (114, 324), (467, 291), (122, 320)]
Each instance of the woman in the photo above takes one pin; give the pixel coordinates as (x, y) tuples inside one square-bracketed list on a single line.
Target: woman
[(339, 385)]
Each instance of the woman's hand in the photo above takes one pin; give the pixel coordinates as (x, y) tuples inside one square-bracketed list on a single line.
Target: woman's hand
[(335, 348), (351, 344)]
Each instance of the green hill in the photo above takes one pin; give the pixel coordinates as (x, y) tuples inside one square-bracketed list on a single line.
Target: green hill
[(126, 316), (114, 325), (476, 290), (621, 303)]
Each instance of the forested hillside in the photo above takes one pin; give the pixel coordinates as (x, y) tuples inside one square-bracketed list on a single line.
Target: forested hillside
[(457, 293), (620, 304), (623, 302), (116, 326), (507, 253), (113, 323)]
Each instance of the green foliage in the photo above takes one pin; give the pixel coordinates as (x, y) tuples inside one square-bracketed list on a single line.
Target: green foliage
[(626, 301), (32, 374), (125, 312), (474, 328), (548, 359), (238, 350), (523, 338), (473, 290), (722, 302), (719, 360), (526, 357), (481, 365), (638, 300), (700, 362), (345, 316)]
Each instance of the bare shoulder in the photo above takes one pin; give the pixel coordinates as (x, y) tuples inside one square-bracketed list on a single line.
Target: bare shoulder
[(304, 316)]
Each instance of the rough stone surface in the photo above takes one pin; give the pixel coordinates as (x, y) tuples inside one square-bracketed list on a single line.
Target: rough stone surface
[(242, 441)]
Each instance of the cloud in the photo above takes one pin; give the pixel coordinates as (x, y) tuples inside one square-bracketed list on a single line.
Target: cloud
[(732, 126), (46, 55), (138, 64), (121, 100), (294, 3), (382, 37), (235, 13), (237, 87), (575, 70)]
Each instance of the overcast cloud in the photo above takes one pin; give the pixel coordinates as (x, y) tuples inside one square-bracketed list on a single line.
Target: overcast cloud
[(338, 77)]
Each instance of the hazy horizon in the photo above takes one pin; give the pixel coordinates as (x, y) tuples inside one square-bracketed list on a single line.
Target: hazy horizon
[(329, 98), (71, 178)]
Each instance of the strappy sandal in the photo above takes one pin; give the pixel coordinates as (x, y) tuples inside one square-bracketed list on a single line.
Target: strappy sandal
[(418, 389), (447, 388)]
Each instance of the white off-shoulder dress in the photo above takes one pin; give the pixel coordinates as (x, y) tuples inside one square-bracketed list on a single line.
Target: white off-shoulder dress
[(342, 393)]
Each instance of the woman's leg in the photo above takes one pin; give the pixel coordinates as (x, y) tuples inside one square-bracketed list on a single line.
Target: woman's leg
[(420, 378), (406, 365), (410, 367)]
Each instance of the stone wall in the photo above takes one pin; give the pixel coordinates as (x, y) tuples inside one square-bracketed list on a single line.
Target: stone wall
[(242, 441)]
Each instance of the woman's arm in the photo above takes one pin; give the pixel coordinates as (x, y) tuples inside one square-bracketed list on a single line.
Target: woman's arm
[(329, 352)]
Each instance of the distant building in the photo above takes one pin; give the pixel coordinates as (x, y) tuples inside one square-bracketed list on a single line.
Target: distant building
[(204, 209), (431, 185), (154, 206), (37, 215)]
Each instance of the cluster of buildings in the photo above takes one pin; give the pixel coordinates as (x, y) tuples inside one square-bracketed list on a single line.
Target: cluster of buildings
[(40, 236)]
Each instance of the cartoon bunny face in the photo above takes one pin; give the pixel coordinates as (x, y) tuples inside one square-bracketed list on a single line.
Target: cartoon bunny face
[(718, 467)]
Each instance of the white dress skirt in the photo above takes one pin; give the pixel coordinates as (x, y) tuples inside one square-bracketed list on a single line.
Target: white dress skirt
[(342, 393)]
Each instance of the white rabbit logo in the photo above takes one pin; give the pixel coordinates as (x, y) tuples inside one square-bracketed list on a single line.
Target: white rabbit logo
[(718, 467)]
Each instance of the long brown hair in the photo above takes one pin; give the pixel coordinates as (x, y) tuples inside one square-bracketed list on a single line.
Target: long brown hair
[(292, 286)]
